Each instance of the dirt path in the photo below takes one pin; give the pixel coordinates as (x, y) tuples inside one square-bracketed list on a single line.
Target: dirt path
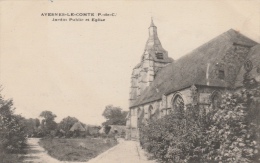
[(124, 152), (37, 154)]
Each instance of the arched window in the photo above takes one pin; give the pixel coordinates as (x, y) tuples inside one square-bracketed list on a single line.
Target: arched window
[(178, 103), (216, 99), (140, 114)]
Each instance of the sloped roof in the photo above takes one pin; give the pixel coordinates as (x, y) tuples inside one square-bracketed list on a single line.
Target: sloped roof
[(191, 68), (77, 126)]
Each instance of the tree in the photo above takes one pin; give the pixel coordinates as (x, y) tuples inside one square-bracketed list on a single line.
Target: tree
[(114, 116), (30, 126), (67, 123), (12, 134), (48, 122), (37, 122), (48, 115), (107, 129)]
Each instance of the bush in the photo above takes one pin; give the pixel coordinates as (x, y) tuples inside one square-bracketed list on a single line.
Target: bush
[(12, 130), (169, 139), (227, 134), (234, 131), (69, 134)]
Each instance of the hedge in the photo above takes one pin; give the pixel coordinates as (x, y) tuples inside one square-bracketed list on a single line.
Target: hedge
[(229, 133)]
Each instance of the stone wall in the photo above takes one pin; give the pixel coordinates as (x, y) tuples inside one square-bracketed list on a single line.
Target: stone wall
[(194, 95)]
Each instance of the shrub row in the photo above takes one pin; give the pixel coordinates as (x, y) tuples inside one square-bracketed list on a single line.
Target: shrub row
[(229, 133)]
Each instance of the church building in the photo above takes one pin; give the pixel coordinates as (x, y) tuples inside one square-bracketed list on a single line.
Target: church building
[(160, 84)]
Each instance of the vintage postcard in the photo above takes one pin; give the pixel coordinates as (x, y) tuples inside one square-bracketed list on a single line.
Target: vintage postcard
[(129, 81)]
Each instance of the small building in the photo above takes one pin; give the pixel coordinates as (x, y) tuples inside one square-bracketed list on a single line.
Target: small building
[(92, 129), (117, 129), (114, 129), (78, 127)]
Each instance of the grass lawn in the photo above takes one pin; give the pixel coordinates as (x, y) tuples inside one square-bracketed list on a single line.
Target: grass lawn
[(78, 149)]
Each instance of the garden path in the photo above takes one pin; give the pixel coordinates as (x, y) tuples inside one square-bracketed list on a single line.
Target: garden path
[(124, 152), (37, 154)]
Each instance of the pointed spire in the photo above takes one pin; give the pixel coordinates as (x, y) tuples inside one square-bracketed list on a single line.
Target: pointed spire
[(152, 24), (153, 45), (153, 42)]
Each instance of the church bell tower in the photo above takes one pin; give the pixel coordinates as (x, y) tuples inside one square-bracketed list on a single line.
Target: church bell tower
[(153, 59)]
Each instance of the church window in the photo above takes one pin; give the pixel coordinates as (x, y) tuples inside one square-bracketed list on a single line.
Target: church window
[(140, 113), (159, 55), (221, 74), (216, 99), (178, 104)]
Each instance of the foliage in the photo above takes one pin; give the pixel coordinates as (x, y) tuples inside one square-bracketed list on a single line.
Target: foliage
[(10, 157), (48, 124), (226, 134), (48, 115), (172, 138), (107, 129), (114, 116), (234, 131), (32, 126), (12, 130)]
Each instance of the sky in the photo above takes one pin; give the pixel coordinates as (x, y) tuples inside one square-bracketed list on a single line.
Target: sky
[(77, 68)]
